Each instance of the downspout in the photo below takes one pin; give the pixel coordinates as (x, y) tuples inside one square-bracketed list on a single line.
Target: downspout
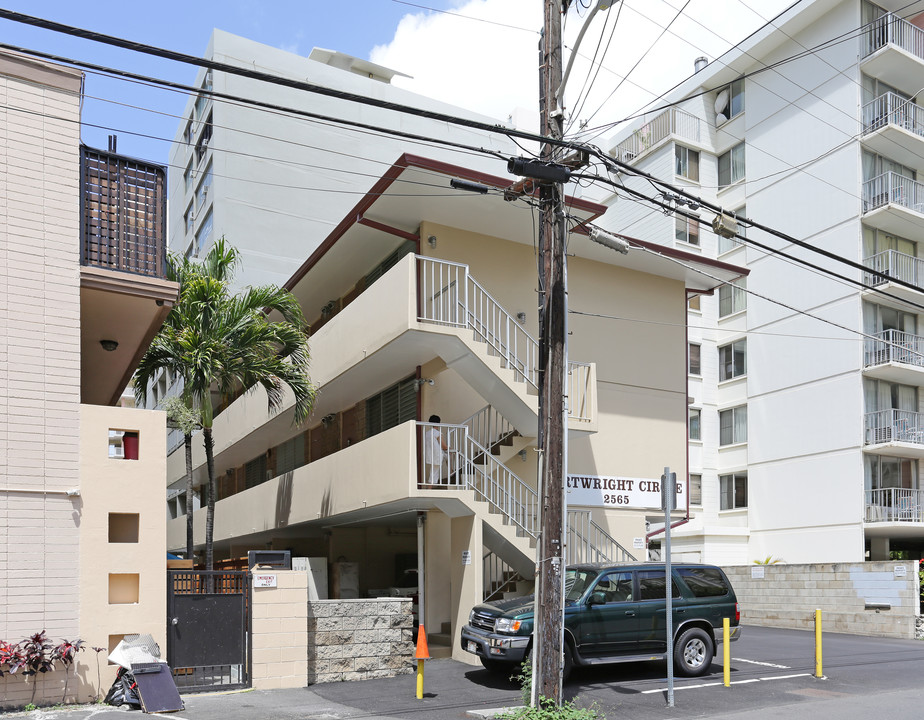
[(686, 374), (421, 519)]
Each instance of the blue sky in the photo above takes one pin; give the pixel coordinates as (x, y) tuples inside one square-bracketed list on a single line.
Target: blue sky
[(485, 61), (297, 25)]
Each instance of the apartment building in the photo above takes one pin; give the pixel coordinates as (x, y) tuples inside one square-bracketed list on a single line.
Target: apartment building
[(805, 417), (425, 305), (82, 292)]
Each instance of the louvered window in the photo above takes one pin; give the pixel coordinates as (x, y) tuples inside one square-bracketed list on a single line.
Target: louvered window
[(391, 407), (290, 455), (255, 471)]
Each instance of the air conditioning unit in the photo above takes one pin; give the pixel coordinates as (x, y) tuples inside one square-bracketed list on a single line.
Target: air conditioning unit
[(628, 155), (205, 191)]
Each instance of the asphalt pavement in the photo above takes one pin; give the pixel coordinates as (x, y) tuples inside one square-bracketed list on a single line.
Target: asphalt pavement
[(771, 678)]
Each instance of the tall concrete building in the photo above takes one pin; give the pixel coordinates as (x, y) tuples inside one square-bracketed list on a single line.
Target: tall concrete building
[(805, 422), (82, 292)]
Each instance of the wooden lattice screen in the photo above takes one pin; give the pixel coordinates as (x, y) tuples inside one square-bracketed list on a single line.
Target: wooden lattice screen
[(123, 213)]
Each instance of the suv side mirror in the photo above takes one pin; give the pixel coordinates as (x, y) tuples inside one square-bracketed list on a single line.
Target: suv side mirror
[(596, 598)]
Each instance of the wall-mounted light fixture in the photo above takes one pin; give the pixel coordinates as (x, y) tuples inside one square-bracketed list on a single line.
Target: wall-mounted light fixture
[(422, 381), (109, 345), (328, 309), (522, 454), (521, 317), (431, 241), (328, 420)]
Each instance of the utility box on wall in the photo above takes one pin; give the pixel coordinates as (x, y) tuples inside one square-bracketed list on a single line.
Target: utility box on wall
[(345, 581), (316, 567)]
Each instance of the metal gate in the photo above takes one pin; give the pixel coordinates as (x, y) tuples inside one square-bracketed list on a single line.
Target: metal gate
[(208, 629)]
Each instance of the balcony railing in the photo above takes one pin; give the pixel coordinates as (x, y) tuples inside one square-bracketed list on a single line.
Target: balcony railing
[(588, 542), (893, 264), (123, 214), (894, 346), (450, 296), (892, 109), (890, 187), (889, 426), (891, 29), (895, 505), (671, 122)]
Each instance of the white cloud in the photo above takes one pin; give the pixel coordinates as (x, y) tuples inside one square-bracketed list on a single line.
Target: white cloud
[(493, 69)]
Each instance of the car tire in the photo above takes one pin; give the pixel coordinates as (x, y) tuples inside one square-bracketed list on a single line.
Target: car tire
[(498, 667), (693, 652)]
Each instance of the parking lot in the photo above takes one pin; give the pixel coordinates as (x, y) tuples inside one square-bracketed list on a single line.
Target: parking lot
[(771, 676)]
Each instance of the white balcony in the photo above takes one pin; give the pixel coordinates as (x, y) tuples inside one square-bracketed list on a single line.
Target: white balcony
[(895, 505), (891, 264), (893, 51), (893, 126), (894, 203), (898, 433), (670, 123), (896, 357)]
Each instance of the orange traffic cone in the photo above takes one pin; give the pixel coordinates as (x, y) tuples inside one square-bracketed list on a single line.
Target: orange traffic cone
[(423, 652)]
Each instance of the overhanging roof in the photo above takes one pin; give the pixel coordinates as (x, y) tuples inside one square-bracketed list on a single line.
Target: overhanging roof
[(416, 189)]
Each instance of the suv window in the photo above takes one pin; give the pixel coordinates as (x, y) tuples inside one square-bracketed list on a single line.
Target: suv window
[(615, 586), (651, 585), (704, 582), (576, 582)]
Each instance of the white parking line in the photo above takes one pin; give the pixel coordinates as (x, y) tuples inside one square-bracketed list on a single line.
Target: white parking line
[(765, 664), (734, 682)]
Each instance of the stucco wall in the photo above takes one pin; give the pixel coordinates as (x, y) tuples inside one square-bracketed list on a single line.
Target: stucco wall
[(847, 594), (359, 639)]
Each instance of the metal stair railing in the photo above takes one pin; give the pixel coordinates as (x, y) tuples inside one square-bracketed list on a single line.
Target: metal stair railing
[(488, 427), (588, 542), (499, 576)]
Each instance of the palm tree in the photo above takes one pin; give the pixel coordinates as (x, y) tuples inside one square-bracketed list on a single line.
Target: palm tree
[(224, 342)]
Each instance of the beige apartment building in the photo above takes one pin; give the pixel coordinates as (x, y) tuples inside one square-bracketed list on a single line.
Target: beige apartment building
[(82, 292), (422, 302)]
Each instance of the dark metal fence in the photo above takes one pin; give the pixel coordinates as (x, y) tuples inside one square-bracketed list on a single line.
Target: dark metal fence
[(123, 213)]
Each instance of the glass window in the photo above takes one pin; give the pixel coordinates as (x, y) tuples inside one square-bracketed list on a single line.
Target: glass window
[(204, 138), (686, 230), (694, 352), (733, 297), (201, 102), (696, 489), (391, 407), (729, 102), (190, 218), (693, 303), (615, 586), (204, 187), (204, 235), (651, 585), (188, 178), (188, 132), (725, 243), (733, 491), (704, 581), (731, 166), (695, 415), (576, 582), (733, 360), (255, 471), (290, 455), (686, 162), (733, 425)]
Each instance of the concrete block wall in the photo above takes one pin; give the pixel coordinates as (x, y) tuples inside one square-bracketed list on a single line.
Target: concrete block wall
[(280, 632), (359, 639), (852, 596)]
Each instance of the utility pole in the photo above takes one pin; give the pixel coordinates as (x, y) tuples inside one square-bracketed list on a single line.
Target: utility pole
[(547, 634)]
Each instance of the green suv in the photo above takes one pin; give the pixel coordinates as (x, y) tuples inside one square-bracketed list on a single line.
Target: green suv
[(615, 613)]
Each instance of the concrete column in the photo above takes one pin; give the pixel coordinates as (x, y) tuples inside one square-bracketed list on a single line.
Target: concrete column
[(437, 572), (467, 580), (879, 548)]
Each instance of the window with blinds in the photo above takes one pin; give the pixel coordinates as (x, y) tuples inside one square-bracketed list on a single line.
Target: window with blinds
[(391, 407), (255, 471), (290, 455)]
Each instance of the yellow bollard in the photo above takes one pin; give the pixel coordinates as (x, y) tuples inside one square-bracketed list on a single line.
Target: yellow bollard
[(726, 652), (818, 670), (422, 653)]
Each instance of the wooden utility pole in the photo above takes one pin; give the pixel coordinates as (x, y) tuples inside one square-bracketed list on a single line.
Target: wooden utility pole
[(547, 634)]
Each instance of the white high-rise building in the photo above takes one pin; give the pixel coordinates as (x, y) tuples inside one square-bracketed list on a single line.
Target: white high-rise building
[(806, 430)]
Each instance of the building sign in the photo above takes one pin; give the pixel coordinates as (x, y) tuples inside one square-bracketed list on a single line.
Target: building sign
[(264, 580), (466, 557), (618, 492), (638, 543), (757, 573), (900, 571)]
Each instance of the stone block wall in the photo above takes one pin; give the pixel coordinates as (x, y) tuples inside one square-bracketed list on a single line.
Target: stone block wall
[(868, 598), (359, 639), (280, 632)]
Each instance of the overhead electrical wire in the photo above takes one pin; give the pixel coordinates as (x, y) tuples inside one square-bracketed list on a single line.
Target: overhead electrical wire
[(348, 96)]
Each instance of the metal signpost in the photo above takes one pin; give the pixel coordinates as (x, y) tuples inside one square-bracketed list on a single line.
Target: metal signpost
[(668, 503)]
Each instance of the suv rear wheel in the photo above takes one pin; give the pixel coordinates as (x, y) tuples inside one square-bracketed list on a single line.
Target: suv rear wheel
[(693, 652)]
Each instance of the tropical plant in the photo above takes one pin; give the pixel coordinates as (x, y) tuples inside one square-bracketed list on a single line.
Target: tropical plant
[(32, 657), (226, 343), (99, 679), (65, 652), (769, 560)]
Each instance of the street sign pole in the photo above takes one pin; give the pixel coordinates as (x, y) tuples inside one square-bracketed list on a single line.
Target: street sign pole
[(669, 502)]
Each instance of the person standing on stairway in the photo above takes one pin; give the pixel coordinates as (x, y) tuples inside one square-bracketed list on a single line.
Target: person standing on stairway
[(434, 452)]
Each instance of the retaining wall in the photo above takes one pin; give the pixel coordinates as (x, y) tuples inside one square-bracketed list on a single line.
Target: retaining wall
[(359, 639), (867, 598)]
